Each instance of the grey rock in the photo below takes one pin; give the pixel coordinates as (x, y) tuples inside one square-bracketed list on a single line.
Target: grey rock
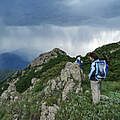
[(87, 91), (15, 80), (52, 111), (38, 69), (12, 88), (48, 112), (79, 88), (9, 93), (34, 80), (69, 76), (103, 97), (4, 95), (53, 86), (16, 98), (47, 90), (68, 87), (52, 83), (67, 80)]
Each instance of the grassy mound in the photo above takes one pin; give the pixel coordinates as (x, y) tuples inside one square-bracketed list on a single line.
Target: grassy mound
[(80, 107)]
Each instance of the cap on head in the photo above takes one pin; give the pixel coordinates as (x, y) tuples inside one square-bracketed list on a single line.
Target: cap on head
[(78, 58)]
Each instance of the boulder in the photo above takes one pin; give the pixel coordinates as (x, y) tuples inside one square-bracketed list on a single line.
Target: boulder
[(70, 76), (48, 112), (9, 94), (34, 80), (103, 97)]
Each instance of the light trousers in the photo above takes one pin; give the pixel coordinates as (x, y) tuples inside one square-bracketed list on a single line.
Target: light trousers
[(95, 91)]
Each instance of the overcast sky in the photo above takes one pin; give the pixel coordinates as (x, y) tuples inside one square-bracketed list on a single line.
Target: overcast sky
[(76, 26)]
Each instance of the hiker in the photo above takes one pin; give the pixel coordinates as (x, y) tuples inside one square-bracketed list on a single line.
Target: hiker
[(95, 82), (79, 61)]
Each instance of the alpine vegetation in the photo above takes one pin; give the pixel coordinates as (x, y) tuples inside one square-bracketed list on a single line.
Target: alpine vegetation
[(54, 87)]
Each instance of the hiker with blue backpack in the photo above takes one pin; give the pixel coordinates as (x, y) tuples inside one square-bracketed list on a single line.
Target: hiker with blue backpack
[(98, 71)]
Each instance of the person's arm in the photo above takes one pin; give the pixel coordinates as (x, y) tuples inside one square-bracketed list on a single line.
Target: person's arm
[(92, 70)]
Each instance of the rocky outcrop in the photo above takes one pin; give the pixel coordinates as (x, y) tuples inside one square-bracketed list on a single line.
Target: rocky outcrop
[(68, 87), (9, 94), (44, 58), (48, 112), (34, 80), (69, 80), (70, 76)]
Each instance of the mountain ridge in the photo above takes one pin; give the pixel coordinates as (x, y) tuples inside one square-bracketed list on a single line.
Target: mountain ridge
[(53, 87)]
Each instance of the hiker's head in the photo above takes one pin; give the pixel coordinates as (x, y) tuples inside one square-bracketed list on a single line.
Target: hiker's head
[(93, 56), (78, 58)]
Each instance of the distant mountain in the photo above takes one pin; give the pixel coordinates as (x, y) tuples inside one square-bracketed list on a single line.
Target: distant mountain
[(10, 61), (15, 60), (27, 54)]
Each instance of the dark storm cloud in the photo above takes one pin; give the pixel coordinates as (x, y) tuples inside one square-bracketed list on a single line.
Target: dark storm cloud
[(64, 12), (96, 13)]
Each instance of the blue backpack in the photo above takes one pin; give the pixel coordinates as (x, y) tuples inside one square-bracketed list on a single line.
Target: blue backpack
[(101, 69)]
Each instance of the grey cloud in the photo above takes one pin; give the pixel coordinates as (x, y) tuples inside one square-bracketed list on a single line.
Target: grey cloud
[(62, 13), (74, 40), (92, 8), (95, 13)]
